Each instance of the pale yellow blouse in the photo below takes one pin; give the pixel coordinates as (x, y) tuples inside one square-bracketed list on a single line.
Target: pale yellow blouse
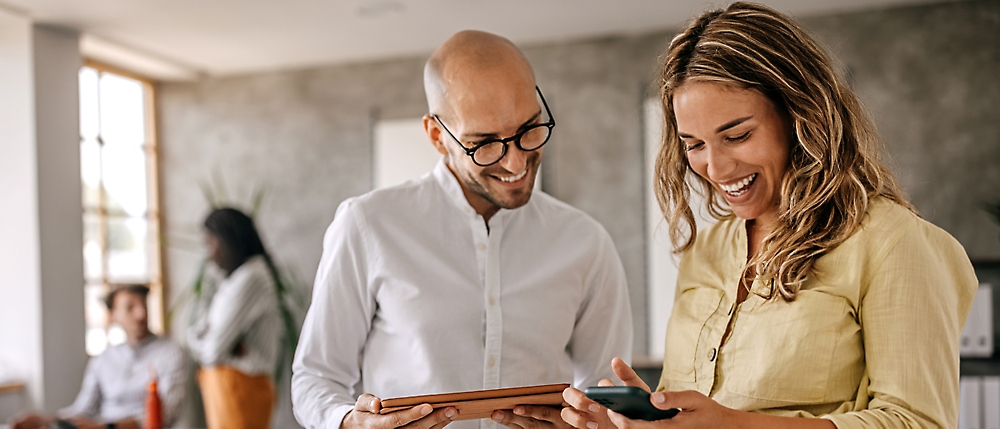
[(870, 342)]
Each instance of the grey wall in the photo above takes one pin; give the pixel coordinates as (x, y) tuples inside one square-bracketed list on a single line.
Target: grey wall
[(929, 72)]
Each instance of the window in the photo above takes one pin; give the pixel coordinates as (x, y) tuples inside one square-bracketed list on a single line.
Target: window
[(118, 152)]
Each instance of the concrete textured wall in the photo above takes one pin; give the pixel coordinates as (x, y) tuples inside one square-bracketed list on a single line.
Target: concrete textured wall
[(931, 77), (928, 72)]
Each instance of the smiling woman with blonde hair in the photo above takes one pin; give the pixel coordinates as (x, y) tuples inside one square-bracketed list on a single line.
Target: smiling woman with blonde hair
[(820, 298)]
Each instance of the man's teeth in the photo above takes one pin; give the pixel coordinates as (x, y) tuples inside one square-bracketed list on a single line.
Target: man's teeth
[(739, 188), (513, 178)]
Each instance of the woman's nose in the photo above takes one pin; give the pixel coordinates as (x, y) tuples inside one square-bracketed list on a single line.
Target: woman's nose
[(720, 163)]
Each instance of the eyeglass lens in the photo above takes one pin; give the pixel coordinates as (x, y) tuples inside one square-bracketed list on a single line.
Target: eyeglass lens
[(531, 139)]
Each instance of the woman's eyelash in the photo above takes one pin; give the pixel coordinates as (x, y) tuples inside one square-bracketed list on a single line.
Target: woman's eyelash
[(738, 138), (688, 148)]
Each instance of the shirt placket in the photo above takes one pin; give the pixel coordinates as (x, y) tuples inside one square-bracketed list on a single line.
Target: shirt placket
[(488, 253)]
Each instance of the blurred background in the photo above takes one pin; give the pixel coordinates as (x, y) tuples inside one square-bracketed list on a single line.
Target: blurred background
[(122, 123)]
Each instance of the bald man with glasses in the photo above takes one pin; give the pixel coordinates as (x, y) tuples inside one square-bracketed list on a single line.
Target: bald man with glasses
[(463, 279)]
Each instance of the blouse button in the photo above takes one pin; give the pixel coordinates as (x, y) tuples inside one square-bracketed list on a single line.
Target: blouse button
[(481, 246), (711, 355)]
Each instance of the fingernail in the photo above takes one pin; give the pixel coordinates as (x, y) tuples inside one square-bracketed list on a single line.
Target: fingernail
[(498, 416), (659, 397), (594, 408), (519, 411), (591, 425), (425, 410), (451, 413)]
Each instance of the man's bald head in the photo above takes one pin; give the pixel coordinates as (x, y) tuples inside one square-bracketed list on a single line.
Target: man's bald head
[(470, 58)]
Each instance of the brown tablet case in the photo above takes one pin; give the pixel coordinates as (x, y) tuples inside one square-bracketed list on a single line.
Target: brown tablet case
[(480, 404)]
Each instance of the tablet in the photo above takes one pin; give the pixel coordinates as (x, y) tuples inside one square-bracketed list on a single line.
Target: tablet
[(480, 404)]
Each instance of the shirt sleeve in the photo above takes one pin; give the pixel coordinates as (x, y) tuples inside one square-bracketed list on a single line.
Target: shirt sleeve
[(326, 364), (603, 327), (88, 401), (230, 315), (171, 383), (911, 316)]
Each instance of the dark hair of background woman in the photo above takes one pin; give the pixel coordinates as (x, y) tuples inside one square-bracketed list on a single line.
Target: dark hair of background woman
[(237, 236)]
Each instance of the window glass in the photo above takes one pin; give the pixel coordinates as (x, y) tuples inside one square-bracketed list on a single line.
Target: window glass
[(121, 226)]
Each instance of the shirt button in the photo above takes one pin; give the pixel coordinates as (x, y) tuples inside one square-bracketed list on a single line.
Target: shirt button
[(492, 301), (481, 246), (711, 355), (491, 362)]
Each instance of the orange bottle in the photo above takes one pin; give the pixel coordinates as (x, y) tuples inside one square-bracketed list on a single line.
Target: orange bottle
[(154, 414)]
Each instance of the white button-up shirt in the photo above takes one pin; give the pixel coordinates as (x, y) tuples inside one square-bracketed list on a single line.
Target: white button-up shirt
[(116, 382), (415, 296)]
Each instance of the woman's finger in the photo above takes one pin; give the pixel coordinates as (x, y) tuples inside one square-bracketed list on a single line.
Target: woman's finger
[(627, 375)]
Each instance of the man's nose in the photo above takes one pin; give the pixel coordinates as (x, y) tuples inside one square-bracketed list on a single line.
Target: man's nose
[(515, 159)]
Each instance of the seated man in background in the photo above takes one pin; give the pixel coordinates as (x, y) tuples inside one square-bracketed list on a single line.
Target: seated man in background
[(462, 279), (116, 382)]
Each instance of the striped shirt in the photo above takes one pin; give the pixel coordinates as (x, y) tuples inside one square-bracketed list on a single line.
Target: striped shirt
[(116, 381), (242, 328)]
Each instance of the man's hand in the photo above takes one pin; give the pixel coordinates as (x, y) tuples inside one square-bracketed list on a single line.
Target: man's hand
[(82, 423), (365, 416), (531, 417), (30, 421)]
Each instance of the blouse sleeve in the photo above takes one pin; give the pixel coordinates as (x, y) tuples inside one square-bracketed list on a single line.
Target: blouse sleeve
[(230, 315), (912, 310)]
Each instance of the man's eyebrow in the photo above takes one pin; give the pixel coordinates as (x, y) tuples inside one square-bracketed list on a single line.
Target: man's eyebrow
[(495, 135), (721, 128)]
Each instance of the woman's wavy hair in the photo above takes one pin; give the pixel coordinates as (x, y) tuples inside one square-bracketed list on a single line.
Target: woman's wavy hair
[(835, 167)]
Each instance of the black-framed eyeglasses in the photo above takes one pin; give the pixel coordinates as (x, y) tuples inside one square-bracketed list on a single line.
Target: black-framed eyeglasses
[(491, 151)]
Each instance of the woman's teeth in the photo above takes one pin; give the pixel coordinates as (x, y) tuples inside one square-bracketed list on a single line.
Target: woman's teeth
[(511, 179), (739, 188)]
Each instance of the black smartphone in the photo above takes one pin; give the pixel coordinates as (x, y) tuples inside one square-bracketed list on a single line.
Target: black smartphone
[(629, 401)]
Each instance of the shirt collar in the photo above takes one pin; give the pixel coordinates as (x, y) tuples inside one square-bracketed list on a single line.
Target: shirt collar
[(449, 183), (447, 180)]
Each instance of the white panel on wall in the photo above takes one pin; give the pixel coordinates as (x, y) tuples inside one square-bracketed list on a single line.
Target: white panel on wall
[(660, 260), (402, 152)]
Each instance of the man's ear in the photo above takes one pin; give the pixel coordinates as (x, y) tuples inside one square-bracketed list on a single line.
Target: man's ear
[(433, 131)]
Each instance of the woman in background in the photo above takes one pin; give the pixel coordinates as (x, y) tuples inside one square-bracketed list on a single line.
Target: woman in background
[(820, 299), (238, 341)]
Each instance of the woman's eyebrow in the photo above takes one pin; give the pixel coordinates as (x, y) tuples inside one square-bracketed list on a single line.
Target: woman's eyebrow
[(721, 128), (731, 124)]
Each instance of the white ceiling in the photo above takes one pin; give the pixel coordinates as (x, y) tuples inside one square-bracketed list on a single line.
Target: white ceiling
[(183, 39)]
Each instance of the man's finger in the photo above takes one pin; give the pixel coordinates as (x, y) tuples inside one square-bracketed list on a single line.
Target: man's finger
[(509, 419), (580, 401), (627, 375), (538, 412), (404, 417), (605, 382), (368, 403), (435, 420)]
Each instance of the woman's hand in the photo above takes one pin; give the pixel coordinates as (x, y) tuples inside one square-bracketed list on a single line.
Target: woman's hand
[(697, 411), (584, 413)]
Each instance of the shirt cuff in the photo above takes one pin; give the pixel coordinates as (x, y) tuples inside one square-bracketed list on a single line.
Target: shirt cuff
[(336, 416)]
